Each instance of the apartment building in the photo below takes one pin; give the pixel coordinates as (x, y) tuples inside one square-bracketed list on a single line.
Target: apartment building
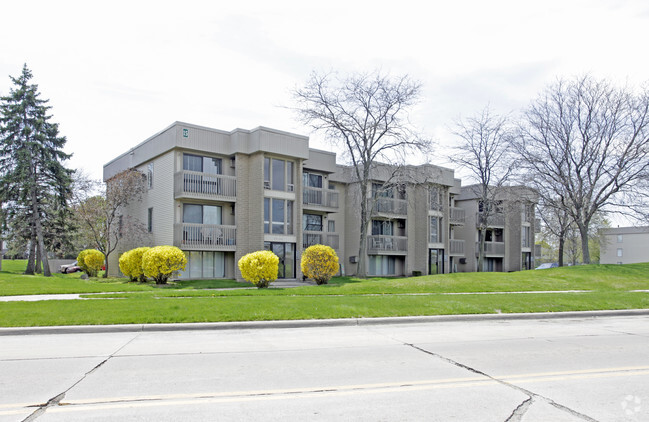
[(511, 228), (219, 195), (624, 245)]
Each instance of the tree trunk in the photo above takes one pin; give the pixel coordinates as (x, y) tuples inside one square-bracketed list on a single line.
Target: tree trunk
[(481, 246), (362, 250), (36, 218), (31, 258), (106, 265), (585, 252), (562, 242)]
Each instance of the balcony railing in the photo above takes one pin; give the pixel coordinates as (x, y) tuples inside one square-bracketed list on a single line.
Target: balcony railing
[(321, 197), (310, 238), (457, 216), (381, 243), (205, 237), (194, 184), (456, 247), (391, 206), (493, 220), (491, 248)]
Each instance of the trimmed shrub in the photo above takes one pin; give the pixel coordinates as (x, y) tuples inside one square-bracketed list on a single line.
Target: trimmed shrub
[(130, 264), (90, 261), (162, 262), (260, 268), (320, 263)]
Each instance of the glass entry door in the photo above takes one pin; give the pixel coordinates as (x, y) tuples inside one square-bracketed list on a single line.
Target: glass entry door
[(436, 261), (286, 254)]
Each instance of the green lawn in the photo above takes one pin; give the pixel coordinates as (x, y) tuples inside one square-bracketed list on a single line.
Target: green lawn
[(604, 286)]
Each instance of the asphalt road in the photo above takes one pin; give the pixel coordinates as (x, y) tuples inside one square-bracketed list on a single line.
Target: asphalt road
[(572, 369)]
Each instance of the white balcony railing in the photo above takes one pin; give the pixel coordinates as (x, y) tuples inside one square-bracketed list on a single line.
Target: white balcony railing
[(320, 197), (493, 220), (457, 216), (391, 206), (205, 185), (310, 238), (456, 247), (491, 248), (205, 236), (381, 243)]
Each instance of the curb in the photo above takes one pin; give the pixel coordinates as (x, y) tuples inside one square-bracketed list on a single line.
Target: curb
[(343, 322)]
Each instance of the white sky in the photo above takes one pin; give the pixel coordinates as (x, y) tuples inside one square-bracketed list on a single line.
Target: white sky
[(117, 72)]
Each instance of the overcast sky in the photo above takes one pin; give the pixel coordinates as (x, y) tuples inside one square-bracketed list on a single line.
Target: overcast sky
[(118, 72)]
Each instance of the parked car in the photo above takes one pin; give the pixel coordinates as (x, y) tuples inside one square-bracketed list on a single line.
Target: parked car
[(547, 265), (70, 268)]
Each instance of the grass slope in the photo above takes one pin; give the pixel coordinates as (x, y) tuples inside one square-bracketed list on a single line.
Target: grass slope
[(607, 286)]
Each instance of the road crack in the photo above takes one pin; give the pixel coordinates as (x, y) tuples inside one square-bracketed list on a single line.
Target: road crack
[(523, 407), (56, 400)]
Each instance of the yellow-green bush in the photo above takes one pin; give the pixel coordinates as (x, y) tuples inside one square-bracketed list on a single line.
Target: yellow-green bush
[(90, 261), (130, 264), (161, 262), (320, 263), (259, 268)]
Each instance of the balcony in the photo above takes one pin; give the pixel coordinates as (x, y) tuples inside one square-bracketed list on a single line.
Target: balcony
[(390, 206), (380, 244), (320, 197), (456, 247), (196, 185), (491, 248), (493, 220), (457, 216), (208, 237), (310, 238)]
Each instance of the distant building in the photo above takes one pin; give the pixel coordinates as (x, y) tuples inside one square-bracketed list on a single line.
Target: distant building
[(624, 245)]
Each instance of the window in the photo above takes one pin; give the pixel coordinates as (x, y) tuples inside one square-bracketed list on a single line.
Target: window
[(202, 214), (278, 216), (331, 226), (379, 191), (435, 198), (312, 180), (204, 265), (619, 252), (435, 230), (619, 238), (382, 265), (202, 164), (149, 221), (382, 227), (526, 238), (312, 222), (149, 176), (278, 174)]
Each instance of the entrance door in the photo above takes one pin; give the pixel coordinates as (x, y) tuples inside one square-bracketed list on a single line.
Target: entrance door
[(286, 254), (436, 261)]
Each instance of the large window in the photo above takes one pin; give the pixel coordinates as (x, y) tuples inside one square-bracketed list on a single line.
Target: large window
[(202, 164), (278, 174), (204, 265), (380, 191), (278, 216), (202, 214), (382, 265), (312, 180), (526, 238), (436, 199), (435, 230), (382, 227), (312, 222)]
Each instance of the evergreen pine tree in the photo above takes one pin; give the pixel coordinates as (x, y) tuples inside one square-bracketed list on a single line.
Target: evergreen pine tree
[(33, 181)]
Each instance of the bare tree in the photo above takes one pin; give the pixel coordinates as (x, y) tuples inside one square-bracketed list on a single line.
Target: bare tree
[(587, 140), (557, 221), (367, 115), (102, 211), (483, 152)]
